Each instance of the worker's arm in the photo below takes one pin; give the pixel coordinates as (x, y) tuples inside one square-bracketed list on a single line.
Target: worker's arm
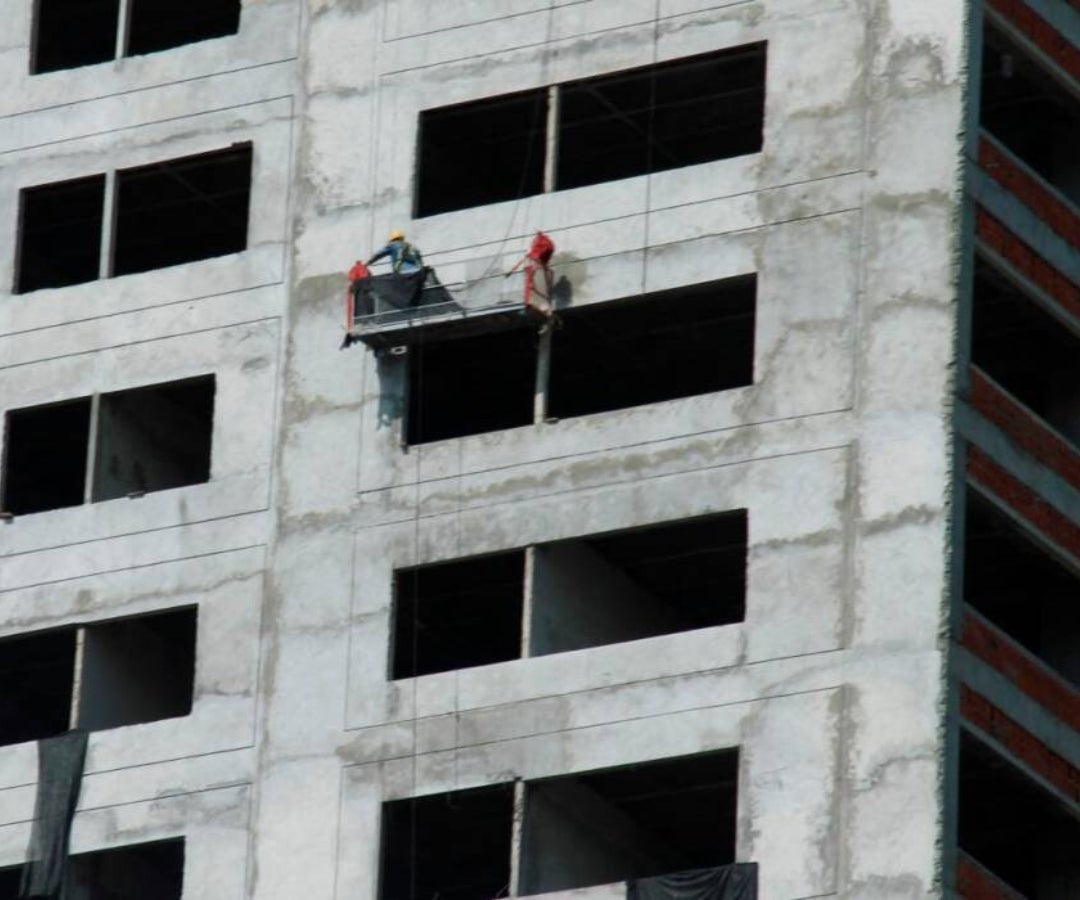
[(382, 254), (517, 266)]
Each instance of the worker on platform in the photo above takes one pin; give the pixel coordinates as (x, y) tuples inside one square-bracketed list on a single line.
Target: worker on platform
[(405, 259), (358, 276), (537, 259)]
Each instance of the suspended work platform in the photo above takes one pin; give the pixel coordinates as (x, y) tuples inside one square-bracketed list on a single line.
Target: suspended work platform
[(397, 310)]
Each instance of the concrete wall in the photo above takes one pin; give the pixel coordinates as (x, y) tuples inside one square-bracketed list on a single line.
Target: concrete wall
[(840, 451)]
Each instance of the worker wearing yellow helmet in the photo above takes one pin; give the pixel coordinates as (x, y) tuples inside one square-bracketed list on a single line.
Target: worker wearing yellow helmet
[(405, 259)]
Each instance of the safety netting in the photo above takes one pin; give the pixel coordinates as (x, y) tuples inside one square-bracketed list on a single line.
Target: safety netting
[(734, 882)]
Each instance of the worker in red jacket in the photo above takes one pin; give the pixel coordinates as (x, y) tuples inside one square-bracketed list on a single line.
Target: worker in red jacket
[(537, 259), (358, 276)]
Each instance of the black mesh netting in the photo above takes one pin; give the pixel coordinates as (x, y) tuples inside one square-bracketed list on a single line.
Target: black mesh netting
[(737, 882), (60, 771)]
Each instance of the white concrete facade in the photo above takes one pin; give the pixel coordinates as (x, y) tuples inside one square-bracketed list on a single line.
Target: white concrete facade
[(833, 687)]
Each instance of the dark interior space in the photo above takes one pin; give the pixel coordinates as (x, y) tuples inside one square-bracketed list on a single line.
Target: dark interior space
[(452, 846), (161, 24), (60, 233), (471, 385), (1030, 353), (1028, 111), (661, 346), (152, 871), (182, 210), (631, 822), (45, 457), (154, 438), (70, 33), (458, 614), (9, 882), (1014, 827), (661, 117), (481, 152), (37, 674), (140, 669), (1020, 587)]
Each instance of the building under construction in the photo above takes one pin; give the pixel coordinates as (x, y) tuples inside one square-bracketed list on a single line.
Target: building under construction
[(745, 564)]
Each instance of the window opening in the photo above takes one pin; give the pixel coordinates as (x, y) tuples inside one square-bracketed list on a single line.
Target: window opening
[(45, 456), (1021, 588), (163, 24), (630, 822), (154, 438), (453, 846), (60, 233), (1031, 113), (71, 33), (458, 614), (37, 672), (471, 385), (1026, 350), (182, 210), (135, 872), (662, 346), (1014, 827), (634, 584)]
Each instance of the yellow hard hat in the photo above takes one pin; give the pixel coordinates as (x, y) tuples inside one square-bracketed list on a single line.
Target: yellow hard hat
[(396, 235)]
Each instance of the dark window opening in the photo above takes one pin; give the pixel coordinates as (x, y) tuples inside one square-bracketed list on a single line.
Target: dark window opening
[(482, 152), (70, 33), (138, 670), (182, 210), (154, 438), (634, 584), (458, 614), (661, 117), (60, 233), (1026, 350), (10, 880), (45, 457), (1026, 109), (633, 822), (452, 846), (1014, 827), (471, 385), (1020, 588), (37, 673), (662, 346), (136, 872), (162, 24)]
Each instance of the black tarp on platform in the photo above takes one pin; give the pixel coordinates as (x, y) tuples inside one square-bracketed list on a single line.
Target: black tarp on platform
[(385, 293), (736, 882), (60, 771)]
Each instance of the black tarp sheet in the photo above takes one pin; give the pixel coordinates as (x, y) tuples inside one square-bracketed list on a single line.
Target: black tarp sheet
[(736, 882), (383, 293), (60, 771)]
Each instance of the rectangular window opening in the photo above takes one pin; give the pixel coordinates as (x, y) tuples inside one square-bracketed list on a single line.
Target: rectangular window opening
[(37, 672), (1014, 827), (71, 33), (471, 385), (162, 24), (1030, 112), (1021, 588), (454, 846), (1029, 352), (629, 585), (661, 117), (60, 233), (182, 210), (636, 821), (663, 346), (458, 614), (45, 456), (154, 438), (135, 872)]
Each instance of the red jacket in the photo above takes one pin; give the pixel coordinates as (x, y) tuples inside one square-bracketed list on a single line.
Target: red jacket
[(359, 272)]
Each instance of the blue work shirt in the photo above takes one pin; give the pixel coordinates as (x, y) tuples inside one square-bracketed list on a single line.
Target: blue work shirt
[(404, 257)]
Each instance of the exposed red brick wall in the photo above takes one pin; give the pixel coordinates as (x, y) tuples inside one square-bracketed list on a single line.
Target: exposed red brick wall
[(975, 883), (1027, 503), (1027, 430), (995, 235), (997, 649), (1030, 191), (1020, 742), (1041, 33)]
